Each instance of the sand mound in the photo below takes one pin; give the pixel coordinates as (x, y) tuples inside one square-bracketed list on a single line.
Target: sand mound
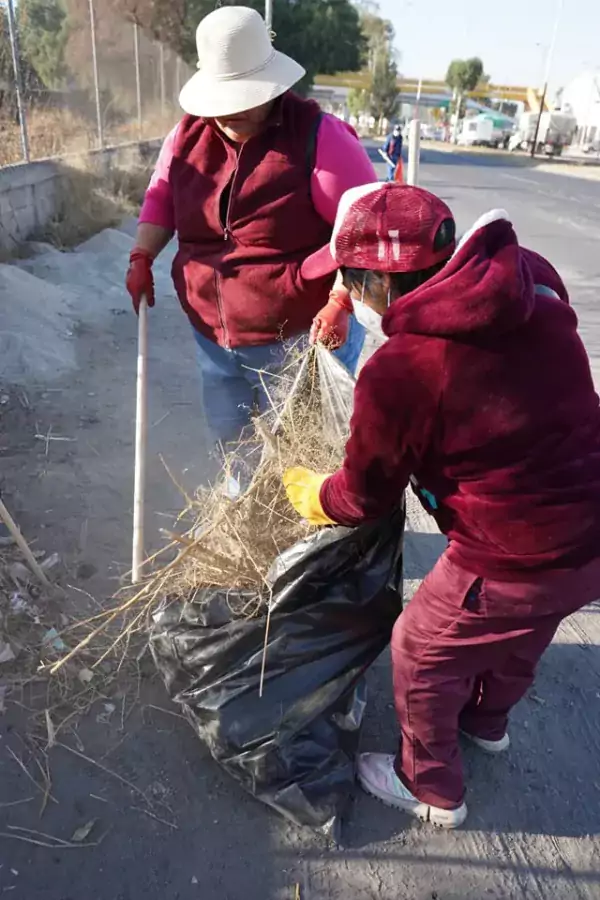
[(36, 327)]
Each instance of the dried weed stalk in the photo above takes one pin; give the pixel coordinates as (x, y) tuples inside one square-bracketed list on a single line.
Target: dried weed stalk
[(230, 542)]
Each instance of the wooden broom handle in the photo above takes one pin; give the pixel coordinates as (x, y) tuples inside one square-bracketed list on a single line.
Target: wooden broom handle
[(23, 545), (140, 445)]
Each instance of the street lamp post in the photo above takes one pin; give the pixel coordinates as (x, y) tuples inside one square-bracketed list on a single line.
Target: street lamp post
[(549, 59), (419, 92)]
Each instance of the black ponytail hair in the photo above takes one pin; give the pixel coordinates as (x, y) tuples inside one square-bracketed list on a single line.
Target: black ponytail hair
[(402, 283)]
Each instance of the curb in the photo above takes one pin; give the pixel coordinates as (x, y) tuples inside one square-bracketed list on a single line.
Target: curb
[(560, 165)]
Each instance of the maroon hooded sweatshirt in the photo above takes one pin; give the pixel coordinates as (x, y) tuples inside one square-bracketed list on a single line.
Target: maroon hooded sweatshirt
[(484, 393)]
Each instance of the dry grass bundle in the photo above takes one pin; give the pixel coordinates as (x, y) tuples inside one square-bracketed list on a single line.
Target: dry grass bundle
[(236, 541), (231, 542), (91, 201), (51, 131), (59, 131)]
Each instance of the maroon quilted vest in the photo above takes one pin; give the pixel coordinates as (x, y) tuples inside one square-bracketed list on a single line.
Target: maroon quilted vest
[(237, 271)]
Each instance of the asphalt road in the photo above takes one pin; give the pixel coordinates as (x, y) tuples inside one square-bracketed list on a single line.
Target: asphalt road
[(557, 215), (534, 817)]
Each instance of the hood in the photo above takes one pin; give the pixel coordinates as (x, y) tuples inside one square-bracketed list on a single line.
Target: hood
[(485, 288)]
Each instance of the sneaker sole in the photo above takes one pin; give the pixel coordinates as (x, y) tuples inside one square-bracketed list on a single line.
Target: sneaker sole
[(488, 747), (440, 818)]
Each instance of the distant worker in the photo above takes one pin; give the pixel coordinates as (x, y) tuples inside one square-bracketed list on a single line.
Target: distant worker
[(249, 181), (481, 390), (392, 153)]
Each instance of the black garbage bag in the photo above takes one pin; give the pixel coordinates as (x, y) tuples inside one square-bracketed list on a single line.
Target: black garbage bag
[(335, 599)]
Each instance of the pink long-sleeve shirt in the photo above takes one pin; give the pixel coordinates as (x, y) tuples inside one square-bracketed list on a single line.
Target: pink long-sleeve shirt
[(341, 162)]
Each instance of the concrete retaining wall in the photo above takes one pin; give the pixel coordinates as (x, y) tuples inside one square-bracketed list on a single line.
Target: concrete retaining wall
[(31, 193)]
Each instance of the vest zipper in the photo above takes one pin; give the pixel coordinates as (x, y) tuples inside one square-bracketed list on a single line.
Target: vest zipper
[(220, 304), (226, 231)]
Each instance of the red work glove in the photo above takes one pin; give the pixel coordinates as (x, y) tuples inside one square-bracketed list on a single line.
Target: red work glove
[(139, 281), (331, 324)]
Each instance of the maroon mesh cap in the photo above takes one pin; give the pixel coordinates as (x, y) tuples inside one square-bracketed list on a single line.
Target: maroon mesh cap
[(387, 228)]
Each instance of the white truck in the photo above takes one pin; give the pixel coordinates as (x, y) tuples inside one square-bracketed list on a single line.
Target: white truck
[(556, 131), (476, 131), (485, 130)]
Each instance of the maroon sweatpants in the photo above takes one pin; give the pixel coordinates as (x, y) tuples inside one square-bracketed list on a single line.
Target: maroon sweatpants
[(464, 651)]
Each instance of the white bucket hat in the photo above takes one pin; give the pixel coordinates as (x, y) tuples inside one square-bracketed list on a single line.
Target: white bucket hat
[(238, 68)]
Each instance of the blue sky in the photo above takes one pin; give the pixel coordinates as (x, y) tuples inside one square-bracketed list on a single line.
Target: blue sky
[(509, 35)]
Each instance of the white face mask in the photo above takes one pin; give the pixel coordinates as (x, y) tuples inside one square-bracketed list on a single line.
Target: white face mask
[(368, 318)]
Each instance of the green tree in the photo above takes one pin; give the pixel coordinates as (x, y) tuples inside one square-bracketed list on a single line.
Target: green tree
[(378, 37), (385, 97), (358, 101), (6, 72), (43, 34), (324, 37), (464, 74), (168, 21), (379, 57), (8, 96)]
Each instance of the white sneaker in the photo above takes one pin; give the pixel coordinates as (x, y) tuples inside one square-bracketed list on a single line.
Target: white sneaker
[(378, 778), (499, 746)]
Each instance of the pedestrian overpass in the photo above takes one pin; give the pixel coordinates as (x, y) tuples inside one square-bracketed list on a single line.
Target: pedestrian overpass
[(432, 93)]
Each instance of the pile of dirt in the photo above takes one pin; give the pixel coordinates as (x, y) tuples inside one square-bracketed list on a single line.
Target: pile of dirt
[(36, 327)]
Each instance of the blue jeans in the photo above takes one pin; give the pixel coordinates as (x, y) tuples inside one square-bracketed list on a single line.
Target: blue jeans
[(231, 384)]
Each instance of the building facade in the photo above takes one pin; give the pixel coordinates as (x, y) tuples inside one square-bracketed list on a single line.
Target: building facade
[(581, 97)]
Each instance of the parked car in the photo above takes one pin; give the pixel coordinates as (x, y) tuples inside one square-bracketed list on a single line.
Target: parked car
[(428, 132)]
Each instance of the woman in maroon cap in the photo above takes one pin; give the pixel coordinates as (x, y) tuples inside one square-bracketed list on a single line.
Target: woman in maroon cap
[(481, 391)]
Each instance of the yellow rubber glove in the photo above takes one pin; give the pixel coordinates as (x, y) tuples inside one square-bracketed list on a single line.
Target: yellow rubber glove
[(303, 487)]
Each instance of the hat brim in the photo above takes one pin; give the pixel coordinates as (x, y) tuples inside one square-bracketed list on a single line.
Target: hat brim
[(319, 264), (210, 97)]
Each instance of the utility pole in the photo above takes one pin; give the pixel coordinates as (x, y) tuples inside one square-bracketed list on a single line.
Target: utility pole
[(414, 141), (414, 152), (96, 77), (138, 78), (177, 76), (269, 15), (549, 59), (458, 100), (163, 86), (16, 61)]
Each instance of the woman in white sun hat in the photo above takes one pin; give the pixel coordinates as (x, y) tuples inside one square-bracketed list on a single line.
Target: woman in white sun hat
[(249, 180)]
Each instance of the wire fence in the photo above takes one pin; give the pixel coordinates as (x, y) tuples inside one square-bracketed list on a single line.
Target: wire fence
[(77, 78)]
